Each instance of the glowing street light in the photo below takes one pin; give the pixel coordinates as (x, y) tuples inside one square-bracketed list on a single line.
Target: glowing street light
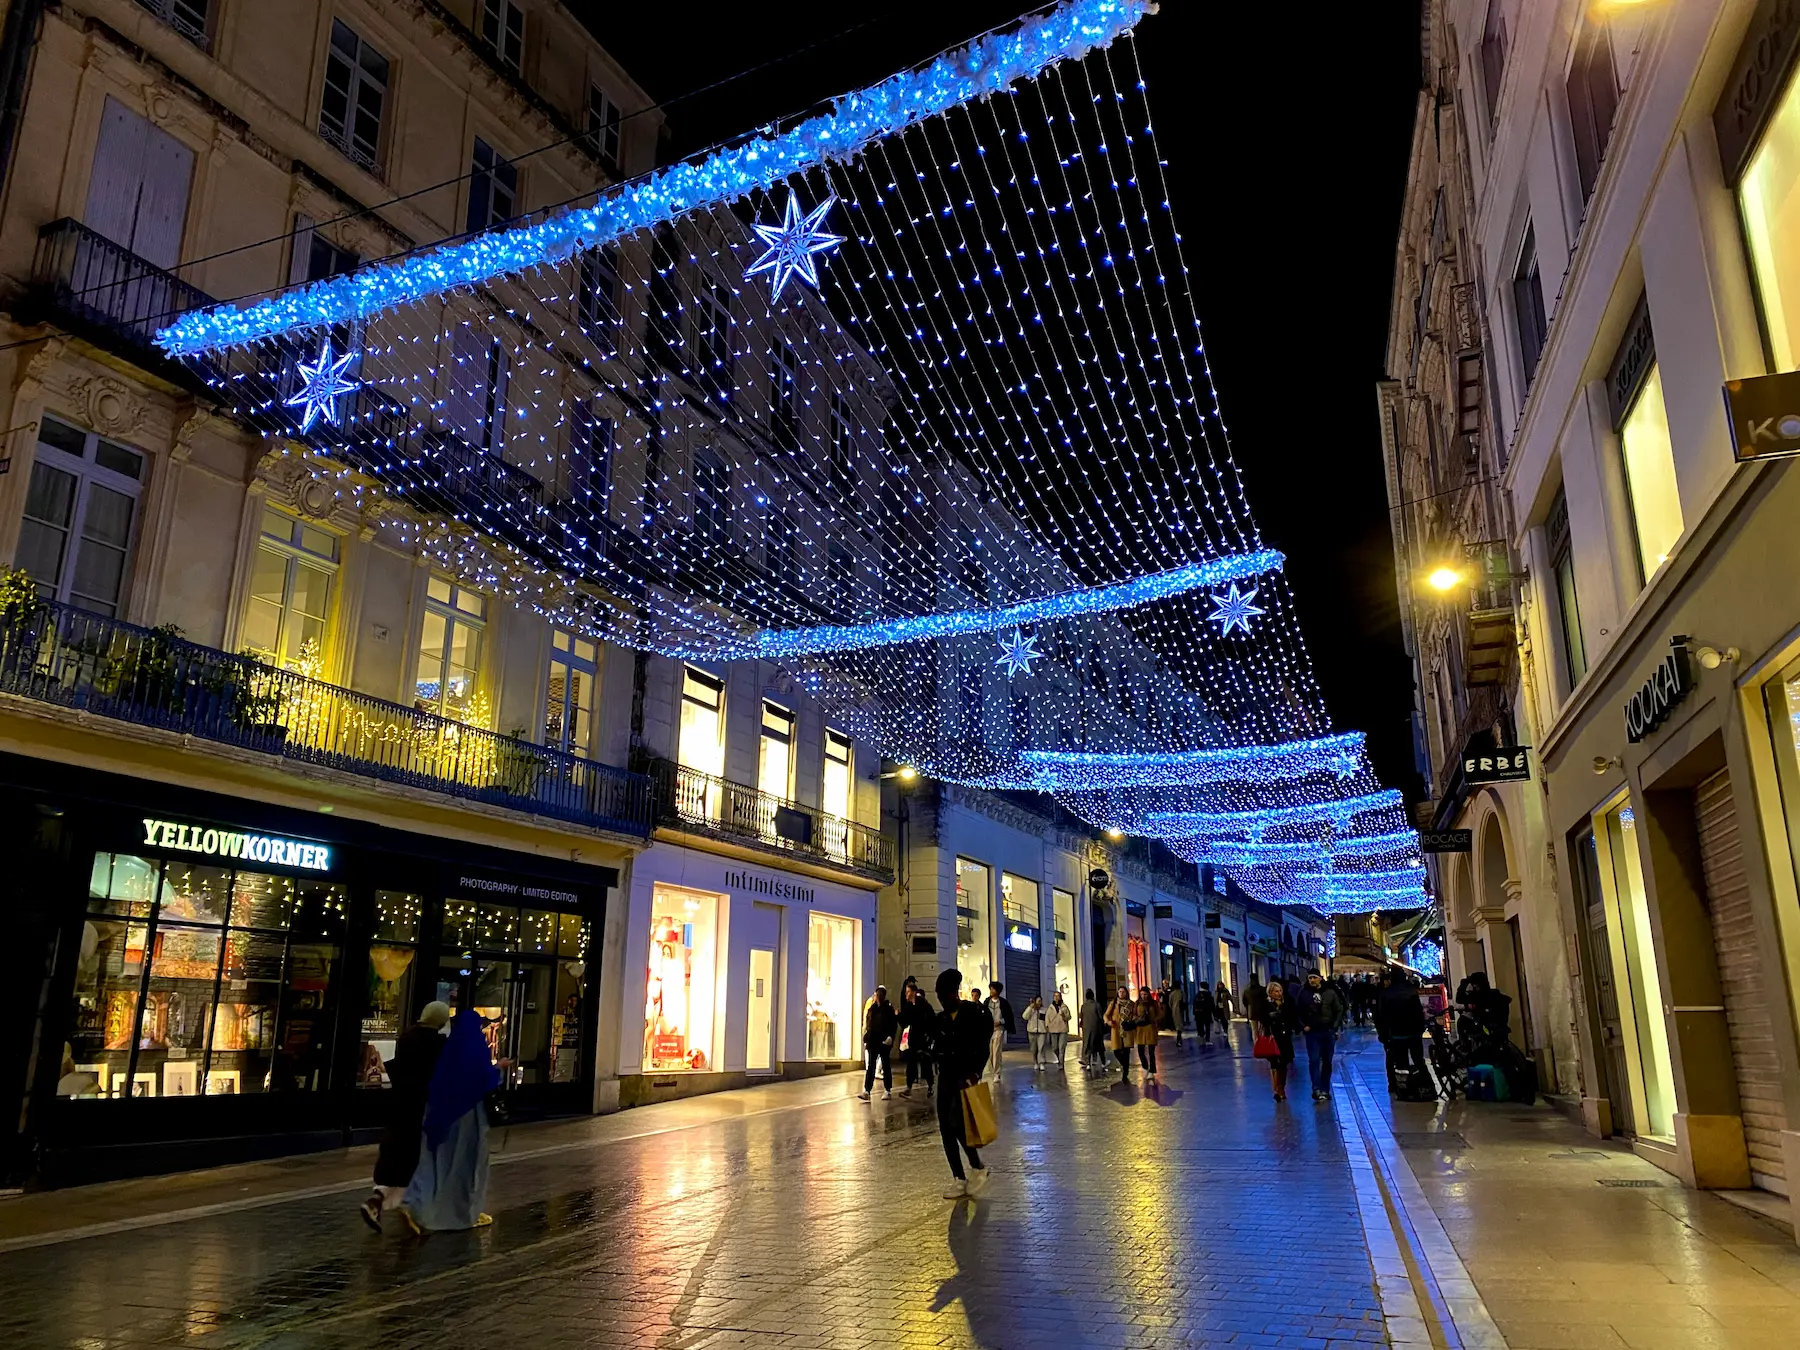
[(1444, 579)]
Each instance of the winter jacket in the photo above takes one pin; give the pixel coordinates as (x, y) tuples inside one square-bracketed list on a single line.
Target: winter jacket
[(1149, 1017), (960, 1041), (1118, 1013), (917, 1018), (881, 1026), (1057, 1016), (1006, 1015), (1034, 1018), (1398, 1013), (1320, 1009)]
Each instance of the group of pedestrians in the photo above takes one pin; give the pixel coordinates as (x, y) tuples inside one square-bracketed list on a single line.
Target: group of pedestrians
[(1317, 1012), (1047, 1028)]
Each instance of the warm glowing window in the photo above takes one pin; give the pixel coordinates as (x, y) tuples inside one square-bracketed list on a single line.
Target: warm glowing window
[(1650, 474), (290, 591), (832, 1030), (1769, 196), (569, 699), (679, 992), (450, 649), (702, 744), (775, 752), (974, 923), (837, 774)]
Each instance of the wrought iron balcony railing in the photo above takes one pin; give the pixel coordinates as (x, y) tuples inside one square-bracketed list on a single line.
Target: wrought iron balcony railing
[(153, 677), (108, 287), (692, 800)]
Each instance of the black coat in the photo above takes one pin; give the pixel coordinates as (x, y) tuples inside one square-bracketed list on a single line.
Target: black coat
[(881, 1024), (409, 1071), (920, 1019), (1399, 1014), (1279, 1022), (960, 1041)]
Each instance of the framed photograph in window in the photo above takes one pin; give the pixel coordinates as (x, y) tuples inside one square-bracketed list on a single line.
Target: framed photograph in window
[(181, 1078), (222, 1082)]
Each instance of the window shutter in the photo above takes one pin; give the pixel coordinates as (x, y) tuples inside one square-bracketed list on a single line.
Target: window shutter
[(118, 173), (299, 263), (162, 205)]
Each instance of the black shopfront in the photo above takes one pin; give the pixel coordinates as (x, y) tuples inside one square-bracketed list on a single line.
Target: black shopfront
[(192, 979)]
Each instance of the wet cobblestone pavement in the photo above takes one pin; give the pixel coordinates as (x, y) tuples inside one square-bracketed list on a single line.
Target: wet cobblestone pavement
[(1195, 1213)]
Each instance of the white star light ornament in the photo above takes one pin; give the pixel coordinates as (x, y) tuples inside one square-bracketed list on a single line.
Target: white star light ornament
[(1017, 652), (1234, 610), (793, 244), (322, 384), (1345, 764)]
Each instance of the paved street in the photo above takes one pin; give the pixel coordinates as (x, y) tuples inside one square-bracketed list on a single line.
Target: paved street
[(1198, 1213)]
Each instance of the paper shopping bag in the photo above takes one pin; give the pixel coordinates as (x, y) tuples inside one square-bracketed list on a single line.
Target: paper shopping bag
[(979, 1127)]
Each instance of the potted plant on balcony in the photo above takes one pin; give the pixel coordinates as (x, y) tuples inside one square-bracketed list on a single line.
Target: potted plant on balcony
[(516, 764), (148, 672), (250, 697), (19, 606)]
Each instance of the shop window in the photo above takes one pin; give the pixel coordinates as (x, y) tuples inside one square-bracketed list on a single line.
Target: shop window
[(1769, 199), (290, 592), (1068, 974), (203, 981), (388, 999), (832, 1030), (356, 87), (1649, 459), (775, 752), (569, 694), (75, 535), (679, 996), (1634, 951), (525, 971), (450, 651), (974, 923)]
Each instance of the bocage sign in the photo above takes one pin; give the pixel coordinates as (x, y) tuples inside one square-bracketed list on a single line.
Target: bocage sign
[(213, 842), (1668, 684)]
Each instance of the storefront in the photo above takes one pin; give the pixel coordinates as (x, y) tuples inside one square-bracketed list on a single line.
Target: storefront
[(747, 972), (1137, 946), (226, 978), (1183, 966)]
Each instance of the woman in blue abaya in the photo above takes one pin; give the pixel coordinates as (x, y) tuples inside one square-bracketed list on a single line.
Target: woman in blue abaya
[(450, 1184)]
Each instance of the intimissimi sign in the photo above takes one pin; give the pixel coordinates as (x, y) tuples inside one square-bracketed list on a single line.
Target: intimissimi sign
[(212, 842), (763, 885)]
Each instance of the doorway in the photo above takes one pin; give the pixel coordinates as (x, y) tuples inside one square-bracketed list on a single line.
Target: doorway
[(759, 1044)]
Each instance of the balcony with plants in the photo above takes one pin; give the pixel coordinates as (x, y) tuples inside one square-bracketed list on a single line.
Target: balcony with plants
[(56, 654)]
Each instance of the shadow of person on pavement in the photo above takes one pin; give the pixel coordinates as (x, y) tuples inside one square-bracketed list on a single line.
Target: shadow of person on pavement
[(1007, 1304)]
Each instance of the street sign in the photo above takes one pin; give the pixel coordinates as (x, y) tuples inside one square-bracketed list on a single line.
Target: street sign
[(1446, 841), (1510, 765), (1764, 413)]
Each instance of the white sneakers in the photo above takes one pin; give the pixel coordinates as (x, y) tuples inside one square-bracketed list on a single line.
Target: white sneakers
[(956, 1190), (862, 1096), (978, 1181)]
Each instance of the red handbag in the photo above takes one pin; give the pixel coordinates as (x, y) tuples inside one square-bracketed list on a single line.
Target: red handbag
[(1264, 1047)]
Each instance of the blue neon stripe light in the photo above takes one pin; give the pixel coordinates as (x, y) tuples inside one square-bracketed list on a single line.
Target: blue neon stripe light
[(1179, 824), (989, 65), (1051, 769)]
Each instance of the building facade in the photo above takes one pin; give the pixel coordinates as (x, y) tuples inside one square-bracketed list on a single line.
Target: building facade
[(1633, 181)]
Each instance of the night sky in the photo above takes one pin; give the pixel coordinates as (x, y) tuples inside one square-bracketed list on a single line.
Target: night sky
[(1287, 133)]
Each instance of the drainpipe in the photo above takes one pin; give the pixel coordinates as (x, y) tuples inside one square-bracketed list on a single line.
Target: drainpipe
[(17, 43)]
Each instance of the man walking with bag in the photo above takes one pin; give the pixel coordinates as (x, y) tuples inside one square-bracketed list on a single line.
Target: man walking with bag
[(917, 1017), (960, 1046), (1321, 1013)]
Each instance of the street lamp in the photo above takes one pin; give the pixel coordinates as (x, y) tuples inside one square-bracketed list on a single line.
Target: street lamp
[(1444, 579), (1115, 834)]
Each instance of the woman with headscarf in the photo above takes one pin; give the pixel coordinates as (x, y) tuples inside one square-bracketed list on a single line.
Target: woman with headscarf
[(450, 1184), (409, 1075)]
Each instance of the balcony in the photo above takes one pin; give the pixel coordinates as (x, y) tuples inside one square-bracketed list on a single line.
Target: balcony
[(151, 677), (699, 803), (110, 295)]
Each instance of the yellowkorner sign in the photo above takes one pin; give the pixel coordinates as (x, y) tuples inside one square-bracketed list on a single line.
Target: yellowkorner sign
[(213, 842)]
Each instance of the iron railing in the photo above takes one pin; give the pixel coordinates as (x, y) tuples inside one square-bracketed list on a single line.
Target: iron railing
[(153, 677), (693, 800), (92, 279)]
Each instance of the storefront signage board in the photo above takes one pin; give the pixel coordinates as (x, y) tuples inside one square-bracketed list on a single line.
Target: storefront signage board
[(1215, 921), (1510, 765), (1446, 841), (526, 891), (1764, 415), (1668, 684), (779, 888), (213, 842), (1176, 933)]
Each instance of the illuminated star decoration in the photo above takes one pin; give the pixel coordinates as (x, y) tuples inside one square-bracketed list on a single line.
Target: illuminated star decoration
[(1345, 764), (322, 384), (1234, 610), (793, 244), (1017, 652)]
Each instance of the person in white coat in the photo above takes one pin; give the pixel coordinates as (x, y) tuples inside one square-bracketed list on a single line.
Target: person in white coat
[(1034, 1031), (1057, 1016)]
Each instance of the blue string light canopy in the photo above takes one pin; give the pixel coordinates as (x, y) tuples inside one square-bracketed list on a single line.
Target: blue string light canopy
[(903, 397)]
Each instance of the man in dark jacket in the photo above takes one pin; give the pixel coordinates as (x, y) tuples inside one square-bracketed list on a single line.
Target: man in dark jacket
[(1401, 1019), (960, 1042), (880, 1026), (1321, 1013), (1203, 1014), (409, 1072), (917, 1017)]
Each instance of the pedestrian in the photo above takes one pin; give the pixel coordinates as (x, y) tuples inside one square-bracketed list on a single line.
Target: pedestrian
[(960, 1044), (1002, 1014), (1276, 1021), (1148, 1029), (881, 1025), (1092, 1021), (917, 1018), (1222, 1007), (1034, 1030), (1254, 995), (1119, 1020), (449, 1186), (1320, 1009), (1057, 1016), (1401, 1020), (1176, 998), (1203, 1014), (409, 1072)]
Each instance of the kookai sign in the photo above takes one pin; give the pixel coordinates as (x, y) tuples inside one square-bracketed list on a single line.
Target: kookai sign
[(1668, 684), (1764, 413)]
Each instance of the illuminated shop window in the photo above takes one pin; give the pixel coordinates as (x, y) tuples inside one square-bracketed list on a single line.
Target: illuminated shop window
[(388, 998), (974, 923), (679, 994), (524, 969), (1068, 974), (832, 1029), (1634, 952), (1650, 474), (1769, 197)]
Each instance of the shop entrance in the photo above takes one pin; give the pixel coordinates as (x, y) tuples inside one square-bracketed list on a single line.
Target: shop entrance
[(1103, 969), (759, 1036), (1614, 1082)]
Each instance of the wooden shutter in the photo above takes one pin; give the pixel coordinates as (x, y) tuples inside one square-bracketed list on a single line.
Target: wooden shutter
[(1753, 1053), (162, 205), (118, 173)]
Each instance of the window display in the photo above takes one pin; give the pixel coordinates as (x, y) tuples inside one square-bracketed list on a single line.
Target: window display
[(679, 990), (1067, 973), (387, 1001), (196, 980), (1634, 951), (832, 1025), (524, 970), (974, 923)]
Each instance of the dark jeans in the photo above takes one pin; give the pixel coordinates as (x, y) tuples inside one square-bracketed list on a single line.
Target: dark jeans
[(1321, 1045), (1124, 1055), (1147, 1057), (918, 1066), (883, 1056), (1404, 1054), (950, 1127)]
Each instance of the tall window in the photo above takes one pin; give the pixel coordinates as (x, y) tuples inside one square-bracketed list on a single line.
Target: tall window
[(450, 649), (775, 752), (843, 447), (784, 398), (781, 548), (1528, 306), (187, 17), (493, 188), (603, 128), (1593, 94), (1562, 567), (836, 796), (596, 297), (75, 537), (1493, 59), (702, 733), (590, 457), (290, 591), (325, 259), (1650, 474), (712, 496), (1769, 197), (712, 339), (503, 29), (569, 700), (356, 88)]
